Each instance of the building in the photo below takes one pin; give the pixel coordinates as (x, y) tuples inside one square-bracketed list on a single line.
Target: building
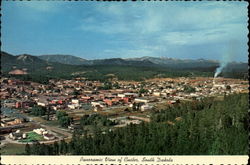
[(157, 94), (40, 131), (17, 135), (146, 107), (142, 100), (49, 136), (75, 101), (41, 104), (24, 104), (127, 95), (98, 108), (11, 122), (73, 106)]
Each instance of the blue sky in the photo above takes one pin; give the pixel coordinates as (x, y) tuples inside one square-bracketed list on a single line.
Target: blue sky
[(92, 30)]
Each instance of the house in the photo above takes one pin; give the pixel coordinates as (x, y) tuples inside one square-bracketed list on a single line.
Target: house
[(18, 105), (111, 101), (98, 108), (130, 95), (60, 102), (126, 100), (172, 102), (146, 107), (156, 93), (94, 104), (41, 104), (17, 135), (125, 122), (54, 108), (165, 94), (73, 106), (86, 98), (40, 131), (53, 101), (121, 95), (142, 100), (11, 122), (48, 136), (24, 104), (108, 102), (75, 101)]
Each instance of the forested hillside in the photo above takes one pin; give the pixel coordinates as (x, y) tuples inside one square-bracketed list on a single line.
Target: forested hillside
[(63, 59), (138, 70), (103, 73), (208, 127)]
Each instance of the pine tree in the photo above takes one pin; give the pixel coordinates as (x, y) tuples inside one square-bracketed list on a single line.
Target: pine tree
[(27, 149)]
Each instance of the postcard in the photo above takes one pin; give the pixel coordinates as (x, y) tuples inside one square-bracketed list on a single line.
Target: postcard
[(124, 83)]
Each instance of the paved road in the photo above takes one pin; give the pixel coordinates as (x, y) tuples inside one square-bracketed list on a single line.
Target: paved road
[(66, 135), (50, 128), (57, 130)]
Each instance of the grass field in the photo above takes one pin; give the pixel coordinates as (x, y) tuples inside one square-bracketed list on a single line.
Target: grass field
[(13, 149), (31, 137)]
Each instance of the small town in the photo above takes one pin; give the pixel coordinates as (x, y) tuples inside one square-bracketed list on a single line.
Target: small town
[(33, 112)]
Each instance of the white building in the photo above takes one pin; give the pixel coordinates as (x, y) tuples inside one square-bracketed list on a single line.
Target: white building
[(94, 104), (146, 107), (41, 104), (75, 101), (156, 93), (39, 131), (127, 95), (49, 136), (142, 100), (73, 106)]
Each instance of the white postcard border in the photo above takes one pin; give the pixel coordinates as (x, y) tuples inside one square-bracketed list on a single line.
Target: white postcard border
[(124, 160)]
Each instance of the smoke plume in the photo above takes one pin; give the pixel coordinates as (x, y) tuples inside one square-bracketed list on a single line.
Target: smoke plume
[(226, 58), (223, 64)]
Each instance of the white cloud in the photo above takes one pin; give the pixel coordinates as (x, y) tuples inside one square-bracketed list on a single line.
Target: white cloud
[(148, 19), (150, 29)]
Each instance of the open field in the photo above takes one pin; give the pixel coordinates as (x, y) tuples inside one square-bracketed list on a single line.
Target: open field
[(13, 149)]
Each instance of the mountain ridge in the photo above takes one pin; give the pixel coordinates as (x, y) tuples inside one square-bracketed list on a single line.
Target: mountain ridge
[(49, 60), (64, 59), (40, 70), (74, 60)]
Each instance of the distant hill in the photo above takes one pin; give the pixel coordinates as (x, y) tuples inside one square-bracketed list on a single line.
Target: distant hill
[(123, 69), (142, 61), (63, 59), (119, 61), (199, 64), (7, 59), (24, 61), (178, 63), (72, 60)]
